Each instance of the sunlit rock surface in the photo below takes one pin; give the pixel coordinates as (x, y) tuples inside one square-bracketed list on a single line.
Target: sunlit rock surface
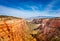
[(13, 29)]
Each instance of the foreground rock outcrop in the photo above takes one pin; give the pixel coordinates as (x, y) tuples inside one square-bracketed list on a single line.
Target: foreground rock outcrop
[(13, 29)]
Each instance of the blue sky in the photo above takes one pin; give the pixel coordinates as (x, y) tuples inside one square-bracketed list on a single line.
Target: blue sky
[(30, 8)]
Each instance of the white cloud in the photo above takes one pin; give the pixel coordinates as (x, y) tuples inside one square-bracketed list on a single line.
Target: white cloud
[(50, 5), (23, 13), (19, 13)]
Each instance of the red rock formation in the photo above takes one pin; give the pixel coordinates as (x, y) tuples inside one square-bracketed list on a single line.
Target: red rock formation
[(48, 29), (55, 23), (51, 29)]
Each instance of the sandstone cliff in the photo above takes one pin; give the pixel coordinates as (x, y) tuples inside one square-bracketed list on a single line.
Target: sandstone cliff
[(13, 29), (49, 29)]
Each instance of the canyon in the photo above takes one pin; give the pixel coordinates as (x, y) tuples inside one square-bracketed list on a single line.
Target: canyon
[(18, 29)]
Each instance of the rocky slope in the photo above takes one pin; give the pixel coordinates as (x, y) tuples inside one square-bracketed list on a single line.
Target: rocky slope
[(13, 29), (49, 29)]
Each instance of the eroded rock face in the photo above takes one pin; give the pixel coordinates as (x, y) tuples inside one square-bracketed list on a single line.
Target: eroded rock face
[(48, 29), (13, 30), (37, 21)]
